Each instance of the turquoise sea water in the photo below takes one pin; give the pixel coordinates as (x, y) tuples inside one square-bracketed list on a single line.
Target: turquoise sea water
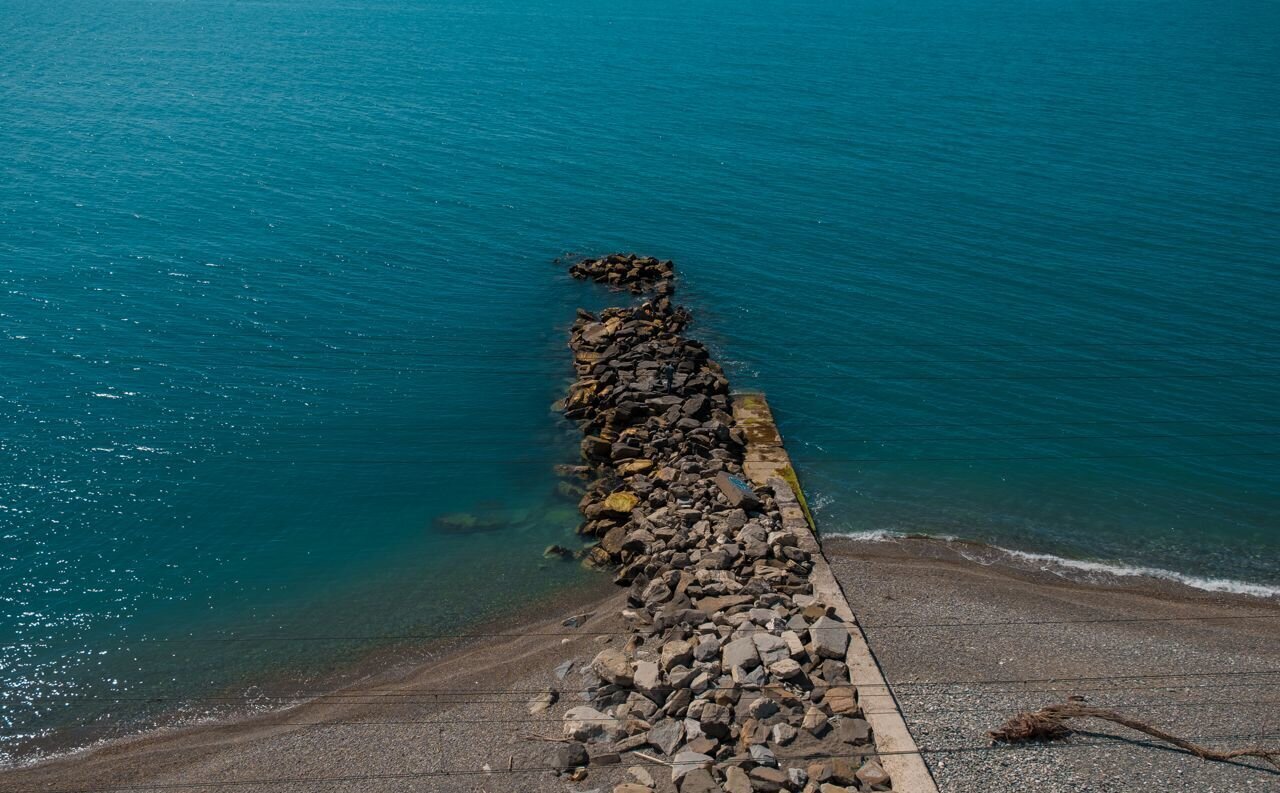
[(276, 293)]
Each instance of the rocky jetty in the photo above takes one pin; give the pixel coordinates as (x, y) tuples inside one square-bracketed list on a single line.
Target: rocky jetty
[(734, 673)]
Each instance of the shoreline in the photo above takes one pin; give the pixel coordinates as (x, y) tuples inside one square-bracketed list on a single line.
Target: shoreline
[(393, 662), (389, 701), (1084, 571), (967, 642), (377, 668), (944, 587)]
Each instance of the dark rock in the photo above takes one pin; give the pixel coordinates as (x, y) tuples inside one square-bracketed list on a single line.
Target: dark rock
[(854, 731), (666, 735), (702, 745), (557, 552), (715, 721), (467, 523), (571, 755), (699, 781), (596, 448)]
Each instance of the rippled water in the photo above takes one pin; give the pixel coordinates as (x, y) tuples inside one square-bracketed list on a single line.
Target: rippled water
[(278, 295)]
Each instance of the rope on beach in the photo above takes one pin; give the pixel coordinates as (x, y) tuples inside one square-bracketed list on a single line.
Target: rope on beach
[(1050, 723)]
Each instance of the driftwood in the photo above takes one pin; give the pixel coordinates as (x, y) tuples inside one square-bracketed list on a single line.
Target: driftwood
[(653, 759), (1049, 723), (529, 736)]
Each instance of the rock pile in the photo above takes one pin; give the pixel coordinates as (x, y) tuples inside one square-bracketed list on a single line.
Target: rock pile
[(734, 671), (627, 271)]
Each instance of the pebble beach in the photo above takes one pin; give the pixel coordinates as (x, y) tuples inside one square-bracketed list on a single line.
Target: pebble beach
[(911, 581)]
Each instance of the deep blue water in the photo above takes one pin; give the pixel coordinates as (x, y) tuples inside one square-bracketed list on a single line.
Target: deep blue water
[(278, 293)]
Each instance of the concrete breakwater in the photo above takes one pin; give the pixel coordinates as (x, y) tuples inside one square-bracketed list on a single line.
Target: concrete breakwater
[(736, 669)]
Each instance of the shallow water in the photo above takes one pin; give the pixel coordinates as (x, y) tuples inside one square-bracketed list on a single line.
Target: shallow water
[(278, 295)]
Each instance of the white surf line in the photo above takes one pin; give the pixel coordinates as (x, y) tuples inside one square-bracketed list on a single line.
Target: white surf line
[(1062, 566)]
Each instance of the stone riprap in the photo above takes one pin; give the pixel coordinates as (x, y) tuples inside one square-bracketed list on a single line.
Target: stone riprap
[(733, 673), (627, 271)]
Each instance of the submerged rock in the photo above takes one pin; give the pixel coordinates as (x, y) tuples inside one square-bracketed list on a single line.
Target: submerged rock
[(467, 523), (557, 552)]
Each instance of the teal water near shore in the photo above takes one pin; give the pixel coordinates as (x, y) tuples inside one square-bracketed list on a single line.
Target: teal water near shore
[(278, 299)]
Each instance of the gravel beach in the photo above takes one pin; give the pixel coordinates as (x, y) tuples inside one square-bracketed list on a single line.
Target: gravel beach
[(394, 732), (1213, 681), (389, 734)]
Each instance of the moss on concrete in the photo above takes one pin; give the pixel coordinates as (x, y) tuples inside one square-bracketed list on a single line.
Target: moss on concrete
[(789, 474)]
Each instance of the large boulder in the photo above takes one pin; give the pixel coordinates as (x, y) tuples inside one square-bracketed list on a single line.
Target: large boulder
[(632, 467), (740, 653), (676, 653), (699, 780), (621, 503), (613, 666), (737, 492), (585, 723), (872, 773), (829, 638), (666, 735), (687, 762), (647, 677), (768, 780), (770, 648), (842, 700), (736, 780), (571, 755), (596, 448)]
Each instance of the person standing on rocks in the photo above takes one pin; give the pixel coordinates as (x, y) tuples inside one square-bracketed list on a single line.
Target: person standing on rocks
[(669, 376)]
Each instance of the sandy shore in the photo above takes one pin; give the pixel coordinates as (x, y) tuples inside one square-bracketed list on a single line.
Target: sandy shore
[(393, 732), (1201, 679), (400, 731)]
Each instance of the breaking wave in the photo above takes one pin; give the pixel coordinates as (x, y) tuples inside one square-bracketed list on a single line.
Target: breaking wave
[(1069, 568)]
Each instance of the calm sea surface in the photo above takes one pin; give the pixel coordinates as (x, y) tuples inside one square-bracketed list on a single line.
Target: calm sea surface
[(276, 294)]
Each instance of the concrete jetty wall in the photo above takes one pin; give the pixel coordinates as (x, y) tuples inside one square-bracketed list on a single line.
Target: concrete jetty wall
[(767, 463)]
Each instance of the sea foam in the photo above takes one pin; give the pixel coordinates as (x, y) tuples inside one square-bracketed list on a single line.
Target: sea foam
[(1076, 569)]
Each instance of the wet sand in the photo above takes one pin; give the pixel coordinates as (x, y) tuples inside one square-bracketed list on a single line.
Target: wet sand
[(1200, 679)]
